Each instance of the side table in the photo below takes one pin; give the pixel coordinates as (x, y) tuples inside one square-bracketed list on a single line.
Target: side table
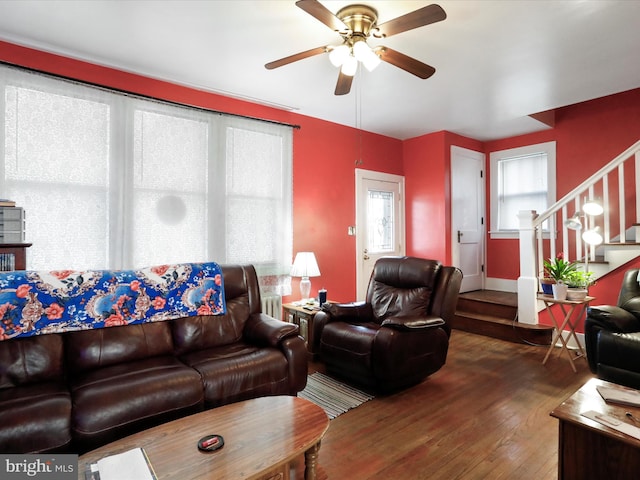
[(302, 315), (567, 307)]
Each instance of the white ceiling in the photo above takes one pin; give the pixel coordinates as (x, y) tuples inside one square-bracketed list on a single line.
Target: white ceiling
[(496, 61)]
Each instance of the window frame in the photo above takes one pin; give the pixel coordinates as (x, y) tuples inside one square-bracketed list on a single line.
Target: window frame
[(549, 148), (122, 109)]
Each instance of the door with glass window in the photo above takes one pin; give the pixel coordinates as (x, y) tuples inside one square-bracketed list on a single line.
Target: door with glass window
[(380, 222)]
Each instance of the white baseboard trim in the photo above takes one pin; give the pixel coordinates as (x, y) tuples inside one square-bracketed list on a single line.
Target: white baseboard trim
[(501, 284)]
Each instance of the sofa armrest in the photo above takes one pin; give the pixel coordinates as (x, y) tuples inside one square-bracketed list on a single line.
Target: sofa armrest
[(355, 312), (613, 318), (261, 329), (413, 322)]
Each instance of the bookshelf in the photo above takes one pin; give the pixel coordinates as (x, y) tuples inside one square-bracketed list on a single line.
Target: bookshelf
[(13, 256)]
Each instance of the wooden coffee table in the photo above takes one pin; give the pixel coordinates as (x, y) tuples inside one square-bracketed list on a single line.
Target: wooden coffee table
[(261, 437), (588, 450)]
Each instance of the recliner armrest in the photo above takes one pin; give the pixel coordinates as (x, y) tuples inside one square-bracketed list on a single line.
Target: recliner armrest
[(613, 318), (413, 322), (261, 329), (355, 312)]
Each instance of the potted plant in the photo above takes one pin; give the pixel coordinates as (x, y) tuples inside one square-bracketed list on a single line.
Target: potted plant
[(559, 270), (579, 282)]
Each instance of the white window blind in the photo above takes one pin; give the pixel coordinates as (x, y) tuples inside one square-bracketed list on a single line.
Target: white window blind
[(114, 181), (523, 186), (521, 179)]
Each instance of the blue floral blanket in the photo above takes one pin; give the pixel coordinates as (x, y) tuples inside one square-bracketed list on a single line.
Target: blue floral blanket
[(39, 302)]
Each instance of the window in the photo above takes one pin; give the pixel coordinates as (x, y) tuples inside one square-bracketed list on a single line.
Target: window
[(521, 179), (114, 181)]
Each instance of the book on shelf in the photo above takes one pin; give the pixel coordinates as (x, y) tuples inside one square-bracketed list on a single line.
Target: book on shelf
[(620, 395), (5, 202), (7, 262), (130, 465)]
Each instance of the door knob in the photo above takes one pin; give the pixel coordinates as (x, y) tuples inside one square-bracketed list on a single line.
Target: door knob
[(459, 235)]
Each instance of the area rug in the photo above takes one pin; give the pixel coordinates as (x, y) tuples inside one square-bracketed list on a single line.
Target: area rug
[(333, 396)]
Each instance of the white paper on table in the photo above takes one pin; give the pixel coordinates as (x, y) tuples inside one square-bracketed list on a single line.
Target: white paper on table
[(130, 465)]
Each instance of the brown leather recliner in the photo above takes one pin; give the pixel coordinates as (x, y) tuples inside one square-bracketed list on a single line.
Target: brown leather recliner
[(612, 335), (400, 334)]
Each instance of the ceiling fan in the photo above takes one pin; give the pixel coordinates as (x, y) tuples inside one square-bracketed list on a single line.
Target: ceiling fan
[(356, 24)]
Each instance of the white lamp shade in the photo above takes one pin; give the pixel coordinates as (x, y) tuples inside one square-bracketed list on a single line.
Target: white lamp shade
[(592, 208), (593, 236), (305, 265), (364, 54), (350, 66), (371, 61), (574, 222), (338, 55), (360, 50)]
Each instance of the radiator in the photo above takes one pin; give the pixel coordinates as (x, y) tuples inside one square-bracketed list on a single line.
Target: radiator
[(272, 305)]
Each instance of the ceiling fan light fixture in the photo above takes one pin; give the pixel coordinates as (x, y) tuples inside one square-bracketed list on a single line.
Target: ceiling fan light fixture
[(350, 66), (366, 55), (339, 55), (372, 61)]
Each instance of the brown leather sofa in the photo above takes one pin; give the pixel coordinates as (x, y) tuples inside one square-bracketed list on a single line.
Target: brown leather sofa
[(400, 334), (612, 335), (75, 391)]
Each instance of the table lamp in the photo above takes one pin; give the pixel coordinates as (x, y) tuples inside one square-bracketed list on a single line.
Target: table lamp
[(305, 266)]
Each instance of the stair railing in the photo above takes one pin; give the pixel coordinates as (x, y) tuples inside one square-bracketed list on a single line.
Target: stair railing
[(551, 225)]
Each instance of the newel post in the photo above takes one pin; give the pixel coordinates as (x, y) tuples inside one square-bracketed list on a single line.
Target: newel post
[(528, 279)]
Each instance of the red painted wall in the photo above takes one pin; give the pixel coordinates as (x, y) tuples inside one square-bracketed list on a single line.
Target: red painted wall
[(324, 197), (427, 169), (588, 135), (323, 164)]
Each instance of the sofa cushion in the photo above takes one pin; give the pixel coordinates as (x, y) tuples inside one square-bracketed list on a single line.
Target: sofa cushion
[(205, 331), (91, 349), (31, 359), (121, 399), (239, 371), (35, 418)]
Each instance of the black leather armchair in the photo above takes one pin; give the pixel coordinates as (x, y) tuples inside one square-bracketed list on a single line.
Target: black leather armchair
[(400, 334), (612, 335)]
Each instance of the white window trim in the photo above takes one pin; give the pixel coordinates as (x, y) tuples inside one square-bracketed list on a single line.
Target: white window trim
[(550, 149)]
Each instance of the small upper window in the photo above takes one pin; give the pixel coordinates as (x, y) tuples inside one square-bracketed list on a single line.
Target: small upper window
[(521, 179)]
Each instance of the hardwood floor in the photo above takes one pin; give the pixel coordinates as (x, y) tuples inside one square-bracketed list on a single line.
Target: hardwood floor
[(484, 415)]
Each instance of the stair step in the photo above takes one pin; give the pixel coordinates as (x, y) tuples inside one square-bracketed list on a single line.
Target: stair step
[(493, 314)]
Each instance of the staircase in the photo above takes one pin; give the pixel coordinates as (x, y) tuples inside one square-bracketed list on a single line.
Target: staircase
[(546, 234), (494, 314)]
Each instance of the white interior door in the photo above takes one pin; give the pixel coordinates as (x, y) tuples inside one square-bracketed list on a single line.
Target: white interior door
[(467, 216), (380, 222)]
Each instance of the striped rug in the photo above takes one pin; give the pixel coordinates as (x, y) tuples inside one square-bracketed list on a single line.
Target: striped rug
[(333, 396)]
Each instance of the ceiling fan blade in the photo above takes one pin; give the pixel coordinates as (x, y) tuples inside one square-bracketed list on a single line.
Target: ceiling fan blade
[(405, 62), (419, 18), (295, 58), (344, 84), (320, 12)]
